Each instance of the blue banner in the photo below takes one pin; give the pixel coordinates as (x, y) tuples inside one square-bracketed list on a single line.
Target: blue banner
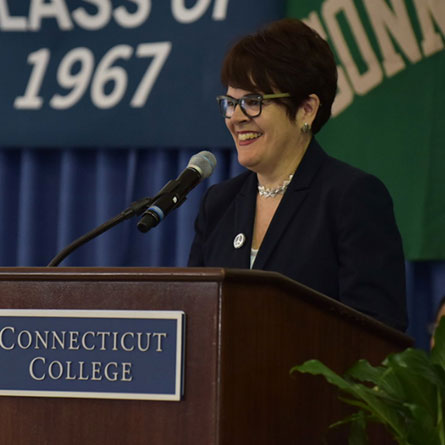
[(92, 354), (88, 73)]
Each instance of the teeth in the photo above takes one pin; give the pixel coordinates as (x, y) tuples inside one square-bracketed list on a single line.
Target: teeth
[(246, 136)]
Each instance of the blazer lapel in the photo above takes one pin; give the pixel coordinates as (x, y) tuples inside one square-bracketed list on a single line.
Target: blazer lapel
[(291, 202), (245, 203)]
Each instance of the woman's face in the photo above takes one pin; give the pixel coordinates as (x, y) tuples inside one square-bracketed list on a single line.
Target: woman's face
[(267, 143)]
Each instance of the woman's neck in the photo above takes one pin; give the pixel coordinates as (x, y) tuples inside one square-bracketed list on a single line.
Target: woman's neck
[(286, 167)]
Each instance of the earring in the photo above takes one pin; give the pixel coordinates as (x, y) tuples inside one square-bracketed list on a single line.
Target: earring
[(306, 128)]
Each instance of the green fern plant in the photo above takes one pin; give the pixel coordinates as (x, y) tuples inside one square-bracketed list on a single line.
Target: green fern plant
[(406, 394)]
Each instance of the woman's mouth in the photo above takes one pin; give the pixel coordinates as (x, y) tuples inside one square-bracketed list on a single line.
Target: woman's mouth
[(247, 137)]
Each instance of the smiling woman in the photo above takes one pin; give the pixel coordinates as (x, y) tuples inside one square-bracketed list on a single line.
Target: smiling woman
[(297, 210)]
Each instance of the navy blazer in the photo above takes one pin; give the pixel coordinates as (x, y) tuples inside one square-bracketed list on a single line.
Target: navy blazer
[(333, 231)]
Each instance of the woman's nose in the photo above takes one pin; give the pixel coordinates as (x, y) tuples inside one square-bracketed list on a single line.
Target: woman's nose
[(238, 114)]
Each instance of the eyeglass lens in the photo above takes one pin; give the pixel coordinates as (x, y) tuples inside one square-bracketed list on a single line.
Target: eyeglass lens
[(251, 106)]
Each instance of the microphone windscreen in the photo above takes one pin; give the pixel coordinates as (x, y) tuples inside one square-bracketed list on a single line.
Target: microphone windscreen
[(204, 162)]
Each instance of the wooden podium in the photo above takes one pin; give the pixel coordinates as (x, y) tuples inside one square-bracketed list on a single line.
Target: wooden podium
[(244, 332)]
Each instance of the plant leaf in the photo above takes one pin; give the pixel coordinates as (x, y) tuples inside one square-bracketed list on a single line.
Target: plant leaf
[(420, 430), (388, 414), (364, 372), (417, 377), (407, 397), (358, 422), (357, 403), (382, 377), (418, 363), (373, 403), (315, 367), (357, 435)]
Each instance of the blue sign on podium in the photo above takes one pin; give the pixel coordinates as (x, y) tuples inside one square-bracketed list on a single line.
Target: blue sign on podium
[(107, 354)]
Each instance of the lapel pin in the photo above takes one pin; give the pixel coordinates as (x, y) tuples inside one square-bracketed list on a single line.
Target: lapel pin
[(239, 240)]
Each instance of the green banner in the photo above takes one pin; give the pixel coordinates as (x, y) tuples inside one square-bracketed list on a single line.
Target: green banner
[(389, 113)]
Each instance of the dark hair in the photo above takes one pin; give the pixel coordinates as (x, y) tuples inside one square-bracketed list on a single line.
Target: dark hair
[(287, 56)]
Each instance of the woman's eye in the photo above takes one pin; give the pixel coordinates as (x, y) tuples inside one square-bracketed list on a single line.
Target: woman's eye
[(251, 102)]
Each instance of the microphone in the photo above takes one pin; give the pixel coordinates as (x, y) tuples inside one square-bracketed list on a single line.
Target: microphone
[(174, 193)]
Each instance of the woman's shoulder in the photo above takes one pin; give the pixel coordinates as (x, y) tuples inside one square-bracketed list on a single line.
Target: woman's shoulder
[(232, 186), (329, 168), (352, 185), (343, 174), (335, 178)]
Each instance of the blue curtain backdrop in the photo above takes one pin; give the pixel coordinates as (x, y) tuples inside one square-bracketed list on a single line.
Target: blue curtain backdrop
[(49, 197)]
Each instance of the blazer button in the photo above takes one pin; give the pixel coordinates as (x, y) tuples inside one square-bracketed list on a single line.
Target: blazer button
[(239, 240)]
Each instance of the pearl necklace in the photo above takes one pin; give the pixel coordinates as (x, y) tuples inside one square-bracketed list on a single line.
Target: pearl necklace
[(271, 193)]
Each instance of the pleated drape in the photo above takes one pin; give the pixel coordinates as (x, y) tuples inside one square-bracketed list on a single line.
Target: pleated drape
[(50, 197)]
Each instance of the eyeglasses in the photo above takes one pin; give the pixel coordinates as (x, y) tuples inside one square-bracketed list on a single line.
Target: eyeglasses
[(250, 104)]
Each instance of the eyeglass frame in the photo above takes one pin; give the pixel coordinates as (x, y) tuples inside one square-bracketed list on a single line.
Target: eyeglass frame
[(259, 97)]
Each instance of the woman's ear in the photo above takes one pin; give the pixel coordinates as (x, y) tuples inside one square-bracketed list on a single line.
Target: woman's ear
[(309, 108), (307, 113)]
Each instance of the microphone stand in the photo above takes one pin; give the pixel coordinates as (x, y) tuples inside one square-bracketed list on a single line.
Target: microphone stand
[(136, 208)]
